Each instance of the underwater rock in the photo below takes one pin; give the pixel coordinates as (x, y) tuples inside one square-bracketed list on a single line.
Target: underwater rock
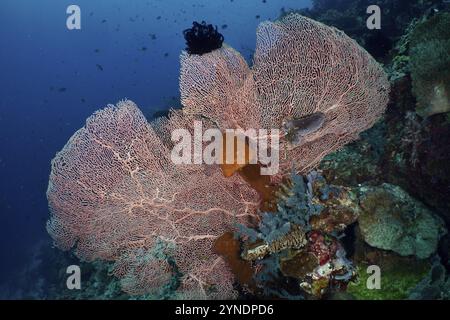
[(399, 274), (340, 207), (392, 220), (349, 16), (303, 204), (358, 162), (333, 219), (318, 267), (396, 280), (299, 240), (294, 208), (416, 152), (435, 286), (322, 246), (298, 264), (430, 64)]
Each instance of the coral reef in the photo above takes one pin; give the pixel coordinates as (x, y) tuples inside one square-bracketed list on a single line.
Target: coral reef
[(429, 64), (114, 194), (398, 274), (396, 281), (416, 152), (391, 220), (403, 149), (332, 269), (118, 201), (349, 16), (359, 162), (295, 237), (45, 278), (435, 286), (295, 207), (344, 98), (321, 266), (300, 239)]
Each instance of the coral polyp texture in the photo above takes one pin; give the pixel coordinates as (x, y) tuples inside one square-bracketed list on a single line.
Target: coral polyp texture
[(114, 194), (301, 68)]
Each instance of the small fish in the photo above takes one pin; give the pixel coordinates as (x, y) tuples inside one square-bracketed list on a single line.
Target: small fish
[(143, 48), (296, 129), (99, 67), (83, 100), (104, 20), (97, 50), (158, 18), (224, 26), (166, 55), (258, 16), (62, 89)]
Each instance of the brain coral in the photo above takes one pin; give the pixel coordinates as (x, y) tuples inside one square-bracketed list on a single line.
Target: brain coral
[(301, 68), (114, 194)]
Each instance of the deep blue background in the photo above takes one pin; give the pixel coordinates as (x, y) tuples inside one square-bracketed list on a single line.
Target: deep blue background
[(39, 56)]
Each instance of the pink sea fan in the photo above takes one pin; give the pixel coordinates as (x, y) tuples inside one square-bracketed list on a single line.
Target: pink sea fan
[(301, 68), (114, 193)]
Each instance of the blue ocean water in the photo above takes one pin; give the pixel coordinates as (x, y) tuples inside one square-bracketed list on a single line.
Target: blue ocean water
[(52, 79)]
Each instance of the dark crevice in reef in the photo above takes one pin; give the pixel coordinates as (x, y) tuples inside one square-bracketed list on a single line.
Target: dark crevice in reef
[(349, 238)]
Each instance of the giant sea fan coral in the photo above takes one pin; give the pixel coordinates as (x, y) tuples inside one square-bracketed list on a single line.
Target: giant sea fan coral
[(114, 193), (301, 68)]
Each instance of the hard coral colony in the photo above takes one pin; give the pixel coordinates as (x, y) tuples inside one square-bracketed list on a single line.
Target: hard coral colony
[(114, 193)]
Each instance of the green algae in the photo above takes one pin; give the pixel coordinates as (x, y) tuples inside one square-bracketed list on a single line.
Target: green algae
[(396, 281)]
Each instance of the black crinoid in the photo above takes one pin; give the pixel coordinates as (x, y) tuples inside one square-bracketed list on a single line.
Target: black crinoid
[(202, 38)]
